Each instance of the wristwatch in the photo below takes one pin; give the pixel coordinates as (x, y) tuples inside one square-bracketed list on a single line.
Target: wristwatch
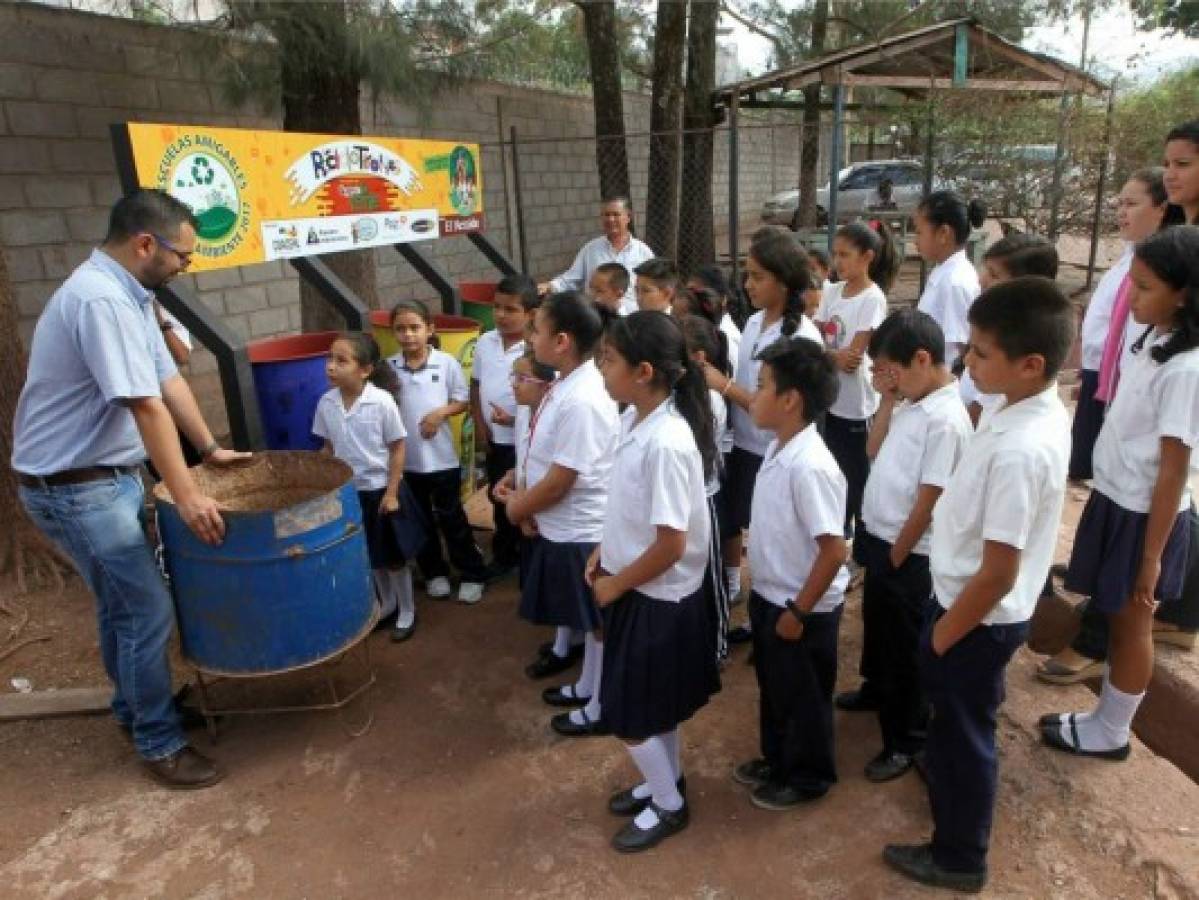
[(799, 614)]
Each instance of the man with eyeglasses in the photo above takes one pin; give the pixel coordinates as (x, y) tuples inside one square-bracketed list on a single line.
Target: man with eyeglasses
[(101, 393)]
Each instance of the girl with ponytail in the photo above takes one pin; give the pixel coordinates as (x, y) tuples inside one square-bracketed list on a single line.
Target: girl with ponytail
[(777, 275), (647, 574)]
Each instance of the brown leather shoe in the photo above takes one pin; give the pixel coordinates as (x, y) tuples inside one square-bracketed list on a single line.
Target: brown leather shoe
[(186, 770)]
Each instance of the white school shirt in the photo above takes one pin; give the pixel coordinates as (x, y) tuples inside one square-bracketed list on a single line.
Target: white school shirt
[(1154, 401), (576, 427), (438, 382), (720, 420), (657, 480), (1008, 487), (733, 337), (799, 496), (594, 254), (362, 435), (521, 432), (844, 318), (923, 445), (950, 291), (754, 340), (492, 369), (1098, 318)]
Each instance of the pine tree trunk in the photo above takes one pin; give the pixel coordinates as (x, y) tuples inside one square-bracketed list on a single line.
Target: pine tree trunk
[(321, 94), (809, 153), (603, 53), (670, 35), (24, 553), (697, 242)]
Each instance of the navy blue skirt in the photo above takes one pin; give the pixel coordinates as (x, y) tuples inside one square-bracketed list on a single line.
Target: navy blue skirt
[(738, 490), (398, 537), (1088, 419), (1107, 555), (659, 665), (552, 590)]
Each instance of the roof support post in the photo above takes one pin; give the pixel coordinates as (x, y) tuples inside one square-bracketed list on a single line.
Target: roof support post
[(734, 194), (835, 153)]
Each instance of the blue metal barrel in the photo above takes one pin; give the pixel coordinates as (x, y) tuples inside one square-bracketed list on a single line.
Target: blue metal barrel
[(290, 585)]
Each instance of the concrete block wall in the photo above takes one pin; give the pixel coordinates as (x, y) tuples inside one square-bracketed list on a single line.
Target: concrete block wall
[(65, 76)]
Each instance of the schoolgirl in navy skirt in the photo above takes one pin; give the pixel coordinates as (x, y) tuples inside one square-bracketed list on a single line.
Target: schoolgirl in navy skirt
[(572, 435), (360, 424), (648, 572), (1132, 543)]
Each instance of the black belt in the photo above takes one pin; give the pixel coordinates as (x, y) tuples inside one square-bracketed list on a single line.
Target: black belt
[(74, 476)]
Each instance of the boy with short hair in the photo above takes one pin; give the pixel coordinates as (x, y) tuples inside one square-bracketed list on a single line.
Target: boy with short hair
[(917, 438), (994, 532), (657, 283), (493, 404), (797, 553), (608, 286)]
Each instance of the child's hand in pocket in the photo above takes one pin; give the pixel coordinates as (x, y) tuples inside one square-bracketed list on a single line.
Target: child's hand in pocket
[(389, 504)]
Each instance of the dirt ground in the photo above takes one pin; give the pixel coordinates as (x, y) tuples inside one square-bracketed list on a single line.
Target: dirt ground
[(460, 789)]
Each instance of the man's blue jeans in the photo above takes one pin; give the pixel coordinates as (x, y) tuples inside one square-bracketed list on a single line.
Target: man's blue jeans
[(99, 524)]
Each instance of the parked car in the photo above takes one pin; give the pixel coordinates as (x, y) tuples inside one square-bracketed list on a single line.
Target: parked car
[(1017, 181), (885, 185)]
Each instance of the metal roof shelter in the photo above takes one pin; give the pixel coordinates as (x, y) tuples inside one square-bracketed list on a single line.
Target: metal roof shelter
[(958, 54)]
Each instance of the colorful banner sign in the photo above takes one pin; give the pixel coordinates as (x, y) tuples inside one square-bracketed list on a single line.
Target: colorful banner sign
[(263, 195)]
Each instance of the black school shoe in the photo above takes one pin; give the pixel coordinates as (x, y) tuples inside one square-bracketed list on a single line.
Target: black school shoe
[(860, 700), (632, 839), (401, 633), (780, 797), (1051, 736), (563, 725), (888, 765), (915, 861), (549, 664), (557, 696), (753, 774), (623, 803), (575, 652)]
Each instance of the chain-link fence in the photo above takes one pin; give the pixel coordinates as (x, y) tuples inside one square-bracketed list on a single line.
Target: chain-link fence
[(1005, 154)]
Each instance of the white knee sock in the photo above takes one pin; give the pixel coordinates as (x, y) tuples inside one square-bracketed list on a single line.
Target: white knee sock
[(673, 744), (653, 759), (593, 665), (383, 595), (561, 642), (1107, 728), (732, 578), (401, 590)]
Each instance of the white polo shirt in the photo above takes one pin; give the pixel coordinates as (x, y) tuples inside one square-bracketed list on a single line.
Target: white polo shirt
[(362, 435), (1098, 318), (950, 291), (799, 496), (1008, 487), (521, 432), (1153, 401), (576, 427), (923, 445), (754, 340), (492, 369), (438, 382), (594, 254), (732, 335), (844, 318), (720, 420), (657, 480)]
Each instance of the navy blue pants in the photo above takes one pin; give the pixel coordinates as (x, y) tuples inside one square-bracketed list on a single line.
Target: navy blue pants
[(505, 543), (965, 688), (1088, 419), (795, 694), (438, 496)]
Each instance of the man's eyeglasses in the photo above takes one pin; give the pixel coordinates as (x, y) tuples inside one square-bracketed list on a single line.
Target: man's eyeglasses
[(516, 378), (184, 257)]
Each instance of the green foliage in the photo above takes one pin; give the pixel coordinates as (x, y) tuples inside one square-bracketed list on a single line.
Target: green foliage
[(1176, 16), (1145, 116)]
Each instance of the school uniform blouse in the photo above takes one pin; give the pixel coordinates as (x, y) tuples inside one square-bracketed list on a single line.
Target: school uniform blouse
[(923, 445), (492, 369), (657, 480), (949, 293), (521, 432), (362, 435), (576, 427), (438, 382), (1098, 317), (722, 433), (1155, 400), (754, 340), (799, 496), (844, 317), (1008, 487), (732, 335)]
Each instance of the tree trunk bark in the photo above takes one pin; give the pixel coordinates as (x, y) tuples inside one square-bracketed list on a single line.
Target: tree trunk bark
[(321, 94), (603, 54), (809, 152), (670, 35), (697, 242), (24, 552)]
